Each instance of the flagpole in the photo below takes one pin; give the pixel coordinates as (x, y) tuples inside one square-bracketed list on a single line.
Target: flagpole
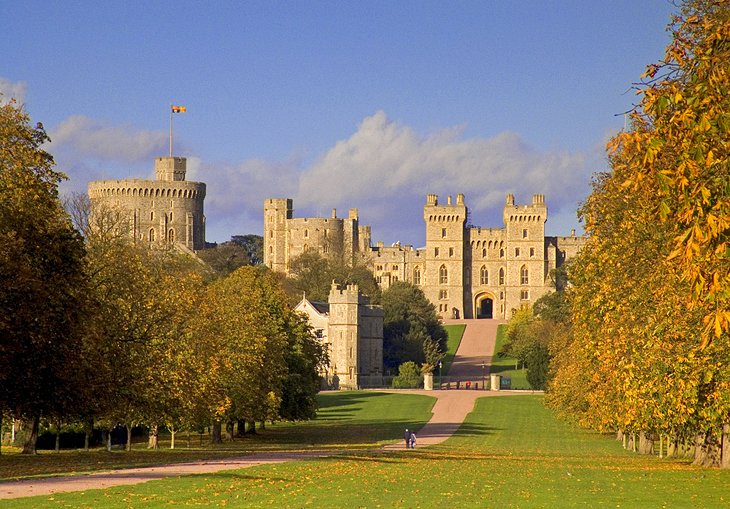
[(170, 130)]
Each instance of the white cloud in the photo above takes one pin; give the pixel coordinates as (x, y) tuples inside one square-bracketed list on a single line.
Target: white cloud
[(86, 137), (384, 167), (12, 90)]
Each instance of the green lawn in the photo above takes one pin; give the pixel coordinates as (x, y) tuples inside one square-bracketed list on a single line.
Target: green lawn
[(511, 453), (505, 365), (348, 419), (455, 332)]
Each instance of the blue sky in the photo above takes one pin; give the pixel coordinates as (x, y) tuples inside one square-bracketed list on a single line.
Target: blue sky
[(340, 104)]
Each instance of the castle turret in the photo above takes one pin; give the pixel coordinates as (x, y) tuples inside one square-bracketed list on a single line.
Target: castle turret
[(276, 213)]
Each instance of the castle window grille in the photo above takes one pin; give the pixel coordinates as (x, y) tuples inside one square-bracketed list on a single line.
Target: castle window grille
[(524, 295), (501, 276), (443, 275), (524, 275), (484, 276)]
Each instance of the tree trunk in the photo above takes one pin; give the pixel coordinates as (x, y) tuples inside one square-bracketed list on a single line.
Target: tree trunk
[(1, 427), (58, 437), (251, 425), (707, 450), (172, 438), (215, 436), (29, 447), (672, 448), (620, 435), (129, 437), (646, 443), (153, 441), (241, 428), (725, 450), (88, 430), (262, 425), (229, 429)]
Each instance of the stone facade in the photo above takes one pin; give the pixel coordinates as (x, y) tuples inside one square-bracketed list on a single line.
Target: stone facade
[(167, 210), (464, 270), (353, 331)]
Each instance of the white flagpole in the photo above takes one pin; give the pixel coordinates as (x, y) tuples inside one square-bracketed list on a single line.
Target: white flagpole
[(170, 130)]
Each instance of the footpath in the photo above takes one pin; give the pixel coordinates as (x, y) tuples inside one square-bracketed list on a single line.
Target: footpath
[(449, 412)]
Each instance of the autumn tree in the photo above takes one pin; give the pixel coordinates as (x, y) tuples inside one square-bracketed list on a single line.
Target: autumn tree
[(650, 345), (42, 290)]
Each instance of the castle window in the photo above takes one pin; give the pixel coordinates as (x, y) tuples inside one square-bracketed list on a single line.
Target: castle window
[(417, 276), (325, 233), (171, 235), (443, 294), (532, 252), (271, 234), (451, 252), (436, 252), (378, 267), (325, 249), (395, 267), (501, 253), (443, 233), (152, 235), (443, 275), (524, 233), (501, 275), (484, 276), (306, 234), (484, 253), (524, 295), (152, 215), (524, 275), (517, 252), (501, 295), (271, 250)]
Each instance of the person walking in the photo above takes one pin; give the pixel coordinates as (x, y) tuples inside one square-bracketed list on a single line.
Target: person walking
[(413, 439), (407, 438)]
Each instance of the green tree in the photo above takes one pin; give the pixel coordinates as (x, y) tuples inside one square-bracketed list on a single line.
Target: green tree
[(253, 245), (42, 290), (409, 376), (411, 327)]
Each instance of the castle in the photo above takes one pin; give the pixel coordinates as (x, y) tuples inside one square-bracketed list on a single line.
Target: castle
[(164, 211), (464, 270), (352, 329)]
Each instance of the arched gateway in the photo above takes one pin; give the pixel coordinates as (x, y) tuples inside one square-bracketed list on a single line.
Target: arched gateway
[(484, 305)]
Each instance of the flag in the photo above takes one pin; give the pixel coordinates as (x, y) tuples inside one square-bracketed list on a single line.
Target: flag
[(178, 109)]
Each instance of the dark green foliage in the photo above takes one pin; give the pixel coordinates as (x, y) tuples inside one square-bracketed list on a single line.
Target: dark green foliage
[(253, 245), (409, 376), (411, 327), (538, 363), (226, 257)]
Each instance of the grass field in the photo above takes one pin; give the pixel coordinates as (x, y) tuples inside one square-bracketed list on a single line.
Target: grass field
[(455, 332), (505, 365), (510, 453)]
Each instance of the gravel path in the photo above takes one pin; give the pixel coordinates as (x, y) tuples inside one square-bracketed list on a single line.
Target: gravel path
[(449, 412)]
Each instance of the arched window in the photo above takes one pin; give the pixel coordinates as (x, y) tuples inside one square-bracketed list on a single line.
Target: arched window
[(443, 275), (501, 253), (171, 235), (524, 275), (484, 253), (501, 275), (417, 276), (152, 215), (484, 276), (152, 235)]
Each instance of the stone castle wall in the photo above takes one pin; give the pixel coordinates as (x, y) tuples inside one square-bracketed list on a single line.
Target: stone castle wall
[(465, 271), (163, 211)]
